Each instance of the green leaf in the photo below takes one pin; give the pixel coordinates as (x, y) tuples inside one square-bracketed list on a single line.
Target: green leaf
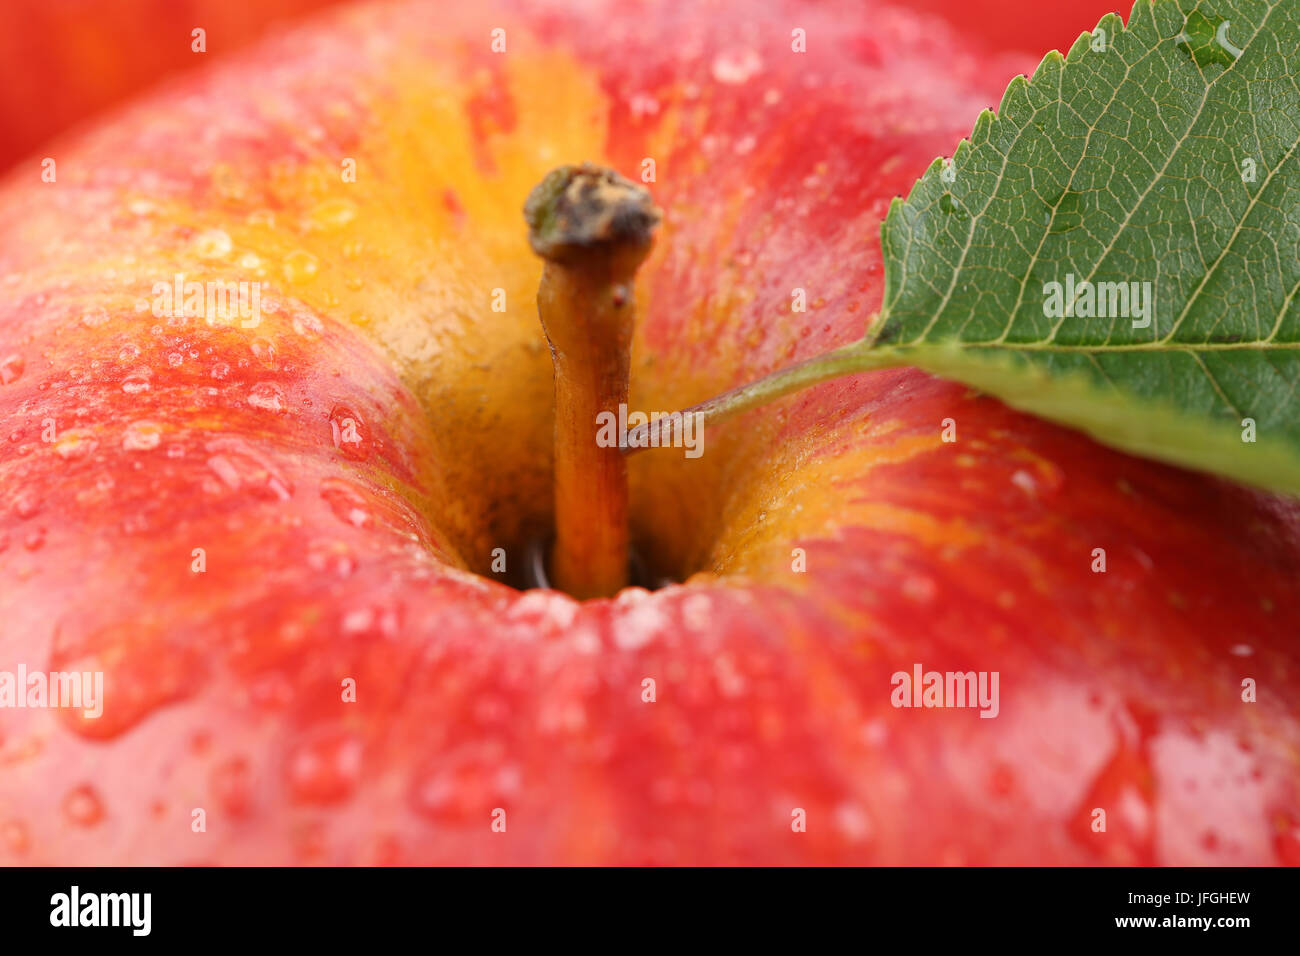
[(1155, 172)]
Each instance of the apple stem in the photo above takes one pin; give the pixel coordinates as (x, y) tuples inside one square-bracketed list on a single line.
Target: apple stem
[(846, 360), (593, 229)]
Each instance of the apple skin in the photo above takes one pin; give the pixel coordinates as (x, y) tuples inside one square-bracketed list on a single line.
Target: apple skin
[(78, 57), (370, 561)]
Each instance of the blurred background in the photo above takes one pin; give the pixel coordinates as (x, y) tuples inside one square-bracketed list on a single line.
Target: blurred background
[(64, 61)]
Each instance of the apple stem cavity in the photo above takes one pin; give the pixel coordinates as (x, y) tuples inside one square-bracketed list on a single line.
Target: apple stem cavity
[(847, 360), (593, 229)]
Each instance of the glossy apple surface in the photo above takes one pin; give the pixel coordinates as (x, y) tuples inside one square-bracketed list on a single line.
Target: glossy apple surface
[(62, 61), (78, 57), (332, 563)]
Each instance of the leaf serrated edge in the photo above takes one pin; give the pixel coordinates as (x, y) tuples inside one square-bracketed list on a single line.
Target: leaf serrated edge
[(986, 121), (1281, 463)]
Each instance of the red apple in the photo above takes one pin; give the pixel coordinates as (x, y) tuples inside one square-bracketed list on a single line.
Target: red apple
[(348, 465)]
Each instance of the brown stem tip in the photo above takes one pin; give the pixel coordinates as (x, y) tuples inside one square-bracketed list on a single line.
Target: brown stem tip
[(593, 228), (577, 210)]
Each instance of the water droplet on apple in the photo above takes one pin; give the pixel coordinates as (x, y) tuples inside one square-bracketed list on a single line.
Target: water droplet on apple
[(307, 325), (137, 381), (11, 369), (83, 806), (94, 318), (175, 359), (464, 790), (27, 504), (331, 557), (324, 770), (332, 214), (128, 353), (1023, 480), (35, 539), (300, 267), (347, 502), (264, 351), (267, 396), (220, 371), (1125, 789), (242, 469), (142, 436), (212, 244), (371, 622), (145, 664), (642, 619), (853, 822), (1044, 481), (350, 434), (733, 67), (643, 104)]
